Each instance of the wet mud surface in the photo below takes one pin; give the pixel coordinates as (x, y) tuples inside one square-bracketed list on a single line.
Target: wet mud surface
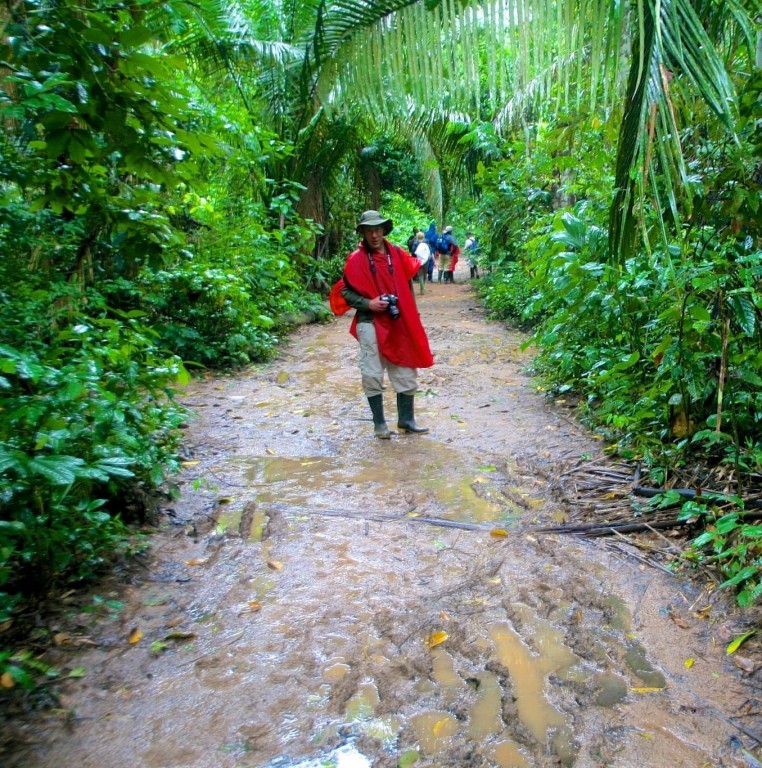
[(300, 607)]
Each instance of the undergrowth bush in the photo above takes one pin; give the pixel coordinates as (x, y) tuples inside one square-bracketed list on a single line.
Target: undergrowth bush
[(81, 421), (666, 356), (506, 293)]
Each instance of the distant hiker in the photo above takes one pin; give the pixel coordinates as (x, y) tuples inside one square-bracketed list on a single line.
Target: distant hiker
[(448, 256), (443, 255), (471, 247), (412, 241), (377, 283), (430, 236), (423, 254)]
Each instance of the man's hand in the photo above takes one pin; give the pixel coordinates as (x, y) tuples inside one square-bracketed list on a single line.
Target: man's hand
[(378, 305)]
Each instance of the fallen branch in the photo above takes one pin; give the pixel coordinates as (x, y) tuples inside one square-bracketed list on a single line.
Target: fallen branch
[(380, 517), (608, 529)]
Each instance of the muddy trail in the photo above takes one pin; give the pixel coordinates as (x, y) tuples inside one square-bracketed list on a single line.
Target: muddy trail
[(315, 599)]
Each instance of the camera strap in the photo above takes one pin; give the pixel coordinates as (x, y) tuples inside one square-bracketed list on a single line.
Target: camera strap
[(372, 265)]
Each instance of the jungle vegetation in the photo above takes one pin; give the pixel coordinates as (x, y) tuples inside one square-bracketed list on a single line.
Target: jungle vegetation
[(179, 181)]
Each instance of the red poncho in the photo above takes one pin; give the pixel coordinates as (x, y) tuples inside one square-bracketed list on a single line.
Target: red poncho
[(402, 341)]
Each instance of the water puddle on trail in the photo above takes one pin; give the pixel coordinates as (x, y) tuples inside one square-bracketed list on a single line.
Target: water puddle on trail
[(315, 483), (434, 730), (528, 673)]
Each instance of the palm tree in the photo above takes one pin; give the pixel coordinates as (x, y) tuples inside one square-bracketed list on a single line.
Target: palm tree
[(420, 65)]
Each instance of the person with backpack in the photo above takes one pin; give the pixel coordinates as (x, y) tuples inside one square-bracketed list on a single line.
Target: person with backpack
[(444, 242), (471, 246), (448, 256), (377, 282)]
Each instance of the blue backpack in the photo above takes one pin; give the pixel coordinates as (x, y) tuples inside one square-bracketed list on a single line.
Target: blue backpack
[(443, 243)]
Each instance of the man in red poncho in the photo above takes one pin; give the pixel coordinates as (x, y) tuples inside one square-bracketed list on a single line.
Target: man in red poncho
[(377, 283)]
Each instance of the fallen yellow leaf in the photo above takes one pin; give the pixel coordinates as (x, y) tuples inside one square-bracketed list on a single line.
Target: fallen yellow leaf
[(135, 636), (646, 690), (689, 663), (439, 725), (189, 463), (270, 451), (274, 565), (196, 561), (255, 605), (436, 638), (498, 532), (6, 680), (739, 641)]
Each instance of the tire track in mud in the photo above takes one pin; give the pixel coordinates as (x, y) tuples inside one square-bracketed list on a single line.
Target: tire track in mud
[(303, 586)]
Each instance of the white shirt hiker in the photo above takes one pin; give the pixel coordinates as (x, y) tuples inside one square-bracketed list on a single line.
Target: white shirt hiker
[(423, 253)]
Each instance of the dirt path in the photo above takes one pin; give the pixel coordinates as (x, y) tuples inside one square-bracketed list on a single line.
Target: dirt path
[(285, 612)]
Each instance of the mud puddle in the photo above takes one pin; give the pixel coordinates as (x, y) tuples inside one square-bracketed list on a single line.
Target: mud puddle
[(301, 608)]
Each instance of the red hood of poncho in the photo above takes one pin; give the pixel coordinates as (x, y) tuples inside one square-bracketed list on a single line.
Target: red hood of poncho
[(402, 341)]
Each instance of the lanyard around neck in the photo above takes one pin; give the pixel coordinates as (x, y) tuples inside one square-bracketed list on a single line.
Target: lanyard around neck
[(372, 265)]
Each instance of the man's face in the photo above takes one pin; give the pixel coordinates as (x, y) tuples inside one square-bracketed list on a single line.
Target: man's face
[(374, 237)]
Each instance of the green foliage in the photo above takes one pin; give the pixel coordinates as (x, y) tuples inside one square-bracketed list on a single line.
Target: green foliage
[(21, 668), (506, 293), (734, 547), (80, 423), (398, 170), (99, 130), (207, 316), (524, 183), (663, 351), (406, 216)]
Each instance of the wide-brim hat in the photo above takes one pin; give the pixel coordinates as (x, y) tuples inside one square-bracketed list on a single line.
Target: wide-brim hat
[(375, 219)]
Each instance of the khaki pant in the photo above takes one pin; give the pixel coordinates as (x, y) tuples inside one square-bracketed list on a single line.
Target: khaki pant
[(373, 364)]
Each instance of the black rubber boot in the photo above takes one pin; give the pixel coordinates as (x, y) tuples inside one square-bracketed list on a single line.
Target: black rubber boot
[(380, 430), (406, 410)]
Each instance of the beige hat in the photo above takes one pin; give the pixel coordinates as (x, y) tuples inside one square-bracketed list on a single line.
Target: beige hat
[(375, 219)]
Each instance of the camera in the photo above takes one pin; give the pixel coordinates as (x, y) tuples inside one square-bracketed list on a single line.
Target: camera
[(392, 309)]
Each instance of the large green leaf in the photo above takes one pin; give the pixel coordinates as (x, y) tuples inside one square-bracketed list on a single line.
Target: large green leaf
[(59, 470)]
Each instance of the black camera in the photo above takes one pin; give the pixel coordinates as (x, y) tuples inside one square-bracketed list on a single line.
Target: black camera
[(392, 307)]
